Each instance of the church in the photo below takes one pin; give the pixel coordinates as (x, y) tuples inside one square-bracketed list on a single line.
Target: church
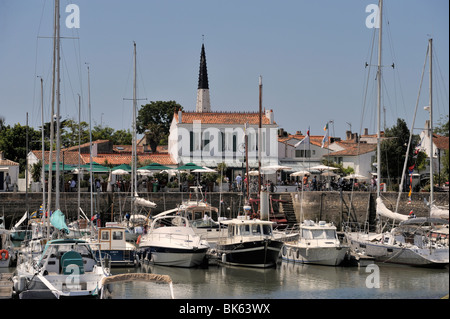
[(207, 137)]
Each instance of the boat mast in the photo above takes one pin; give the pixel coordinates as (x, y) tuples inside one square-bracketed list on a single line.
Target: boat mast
[(43, 148), (430, 128), (260, 134), (58, 128), (134, 150), (79, 157), (52, 125), (90, 144), (379, 100)]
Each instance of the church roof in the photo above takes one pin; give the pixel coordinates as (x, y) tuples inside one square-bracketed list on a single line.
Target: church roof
[(232, 118)]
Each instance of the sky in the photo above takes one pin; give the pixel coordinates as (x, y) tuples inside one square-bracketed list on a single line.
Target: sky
[(311, 56)]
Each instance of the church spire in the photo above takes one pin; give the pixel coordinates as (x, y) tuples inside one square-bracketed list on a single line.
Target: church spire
[(203, 102), (203, 73)]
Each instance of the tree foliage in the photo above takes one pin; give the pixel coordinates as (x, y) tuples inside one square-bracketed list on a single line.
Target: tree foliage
[(154, 120)]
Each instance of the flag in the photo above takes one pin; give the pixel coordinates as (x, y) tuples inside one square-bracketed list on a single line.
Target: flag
[(304, 140), (324, 138), (326, 127)]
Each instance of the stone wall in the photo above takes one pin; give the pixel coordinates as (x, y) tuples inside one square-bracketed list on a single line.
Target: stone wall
[(329, 206)]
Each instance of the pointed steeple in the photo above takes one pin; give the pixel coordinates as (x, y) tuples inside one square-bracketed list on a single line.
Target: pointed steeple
[(203, 102), (203, 73)]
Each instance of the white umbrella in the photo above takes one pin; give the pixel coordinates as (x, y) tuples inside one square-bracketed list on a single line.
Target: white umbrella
[(355, 176), (119, 172), (300, 173), (323, 168), (145, 172), (328, 174), (275, 168), (204, 170), (253, 173)]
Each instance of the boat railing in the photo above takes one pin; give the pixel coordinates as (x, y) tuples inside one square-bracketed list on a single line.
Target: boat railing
[(175, 237), (356, 227)]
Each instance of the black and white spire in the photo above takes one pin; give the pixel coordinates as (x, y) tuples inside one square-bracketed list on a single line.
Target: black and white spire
[(203, 102)]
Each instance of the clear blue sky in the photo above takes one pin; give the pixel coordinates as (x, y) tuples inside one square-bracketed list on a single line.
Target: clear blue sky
[(311, 56)]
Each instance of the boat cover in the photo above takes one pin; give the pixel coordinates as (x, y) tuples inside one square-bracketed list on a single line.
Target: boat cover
[(57, 219), (385, 212)]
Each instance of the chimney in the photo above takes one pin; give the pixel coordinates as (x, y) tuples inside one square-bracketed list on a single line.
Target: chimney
[(180, 113), (298, 133), (366, 131), (348, 135), (269, 115)]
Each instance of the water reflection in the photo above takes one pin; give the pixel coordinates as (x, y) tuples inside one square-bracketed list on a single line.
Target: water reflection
[(291, 281)]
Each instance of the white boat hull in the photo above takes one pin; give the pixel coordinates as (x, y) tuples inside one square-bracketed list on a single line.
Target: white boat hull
[(328, 256), (175, 257), (406, 254)]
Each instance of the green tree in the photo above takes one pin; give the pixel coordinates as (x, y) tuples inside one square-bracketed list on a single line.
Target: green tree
[(69, 134), (393, 151), (13, 142), (442, 127), (122, 137), (154, 120)]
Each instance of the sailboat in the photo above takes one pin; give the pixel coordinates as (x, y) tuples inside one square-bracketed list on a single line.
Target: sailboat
[(56, 266), (134, 232), (411, 242)]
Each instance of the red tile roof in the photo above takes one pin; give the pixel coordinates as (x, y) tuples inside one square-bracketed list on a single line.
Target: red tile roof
[(117, 159), (441, 142), (352, 149), (71, 158), (234, 118), (314, 139)]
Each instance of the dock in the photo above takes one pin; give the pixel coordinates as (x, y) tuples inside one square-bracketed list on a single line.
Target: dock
[(6, 285)]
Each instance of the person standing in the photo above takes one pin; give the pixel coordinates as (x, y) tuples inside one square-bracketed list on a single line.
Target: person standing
[(7, 181), (238, 181)]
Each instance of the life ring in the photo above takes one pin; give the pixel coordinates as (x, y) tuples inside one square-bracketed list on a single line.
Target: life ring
[(4, 251), (138, 240)]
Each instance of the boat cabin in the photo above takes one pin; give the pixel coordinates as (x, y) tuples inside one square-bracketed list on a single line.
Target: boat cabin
[(112, 237), (243, 227), (322, 230)]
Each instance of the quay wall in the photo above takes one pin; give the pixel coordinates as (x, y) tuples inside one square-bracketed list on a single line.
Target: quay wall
[(329, 206)]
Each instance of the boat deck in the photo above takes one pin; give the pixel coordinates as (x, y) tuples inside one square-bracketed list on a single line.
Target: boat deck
[(6, 285)]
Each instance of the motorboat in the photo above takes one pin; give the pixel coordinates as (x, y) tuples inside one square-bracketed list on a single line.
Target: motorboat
[(111, 243), (171, 241), (202, 217), (317, 243), (248, 243), (67, 268)]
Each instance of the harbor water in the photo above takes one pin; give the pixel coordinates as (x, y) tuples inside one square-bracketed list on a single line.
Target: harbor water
[(290, 281)]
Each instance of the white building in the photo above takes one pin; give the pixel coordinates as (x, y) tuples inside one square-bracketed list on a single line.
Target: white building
[(211, 138), (440, 145), (208, 138), (8, 168)]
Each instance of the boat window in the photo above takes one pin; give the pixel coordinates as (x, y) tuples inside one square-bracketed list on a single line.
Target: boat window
[(244, 230), (105, 235), (256, 230), (267, 230), (198, 215), (319, 234), (117, 235)]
